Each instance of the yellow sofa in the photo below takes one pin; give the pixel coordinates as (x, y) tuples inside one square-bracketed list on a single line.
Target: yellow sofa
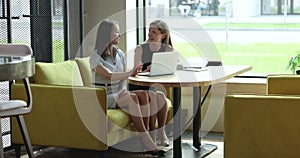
[(264, 126), (67, 112)]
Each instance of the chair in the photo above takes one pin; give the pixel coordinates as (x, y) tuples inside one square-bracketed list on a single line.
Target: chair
[(267, 125), (14, 66)]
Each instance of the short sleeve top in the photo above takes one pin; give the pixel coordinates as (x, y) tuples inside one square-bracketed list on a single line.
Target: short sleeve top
[(114, 64), (147, 53)]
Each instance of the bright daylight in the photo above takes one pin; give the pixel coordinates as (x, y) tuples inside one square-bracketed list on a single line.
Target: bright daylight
[(149, 78)]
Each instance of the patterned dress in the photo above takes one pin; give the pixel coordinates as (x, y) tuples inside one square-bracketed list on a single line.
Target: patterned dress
[(114, 64)]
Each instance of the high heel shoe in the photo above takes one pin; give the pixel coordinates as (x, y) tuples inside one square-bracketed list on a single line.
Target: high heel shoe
[(150, 147), (156, 152), (164, 143), (163, 139)]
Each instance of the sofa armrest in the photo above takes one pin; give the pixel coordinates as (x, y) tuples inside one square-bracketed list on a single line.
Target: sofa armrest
[(64, 116), (261, 126)]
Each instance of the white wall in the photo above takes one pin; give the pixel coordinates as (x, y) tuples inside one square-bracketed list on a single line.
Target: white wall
[(97, 10)]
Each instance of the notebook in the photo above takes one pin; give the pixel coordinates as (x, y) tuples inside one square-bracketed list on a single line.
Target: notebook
[(163, 63)]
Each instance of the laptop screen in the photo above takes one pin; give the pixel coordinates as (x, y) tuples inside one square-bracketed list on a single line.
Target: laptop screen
[(163, 63)]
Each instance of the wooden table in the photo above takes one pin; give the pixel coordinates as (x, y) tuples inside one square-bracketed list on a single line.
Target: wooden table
[(208, 77)]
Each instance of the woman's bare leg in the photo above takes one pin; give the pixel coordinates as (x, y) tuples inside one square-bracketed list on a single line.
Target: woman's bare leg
[(162, 118), (153, 114), (144, 106), (131, 102)]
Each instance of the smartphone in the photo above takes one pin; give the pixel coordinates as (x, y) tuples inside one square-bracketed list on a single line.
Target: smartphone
[(145, 66)]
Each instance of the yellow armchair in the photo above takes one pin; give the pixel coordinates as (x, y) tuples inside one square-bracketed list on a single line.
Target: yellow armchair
[(264, 125), (55, 121), (67, 112), (283, 84)]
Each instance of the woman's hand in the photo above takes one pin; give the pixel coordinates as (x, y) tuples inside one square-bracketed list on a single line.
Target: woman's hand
[(148, 68), (137, 69)]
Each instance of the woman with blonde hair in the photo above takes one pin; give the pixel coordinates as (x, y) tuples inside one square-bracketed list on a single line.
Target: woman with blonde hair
[(159, 40)]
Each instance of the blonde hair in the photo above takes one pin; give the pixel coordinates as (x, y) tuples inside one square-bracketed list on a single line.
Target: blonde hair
[(103, 40), (163, 28)]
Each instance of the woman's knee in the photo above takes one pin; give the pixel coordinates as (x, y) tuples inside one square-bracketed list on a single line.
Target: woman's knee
[(144, 98), (161, 95), (151, 95), (134, 97), (143, 94)]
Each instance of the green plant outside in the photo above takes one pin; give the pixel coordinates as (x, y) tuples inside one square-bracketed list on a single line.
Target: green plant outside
[(58, 51), (294, 62), (60, 24), (265, 58)]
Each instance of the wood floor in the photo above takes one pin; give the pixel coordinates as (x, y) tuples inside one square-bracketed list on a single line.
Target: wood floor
[(187, 152)]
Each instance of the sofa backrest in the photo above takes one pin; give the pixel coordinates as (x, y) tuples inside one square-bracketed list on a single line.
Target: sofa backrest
[(283, 84), (63, 73)]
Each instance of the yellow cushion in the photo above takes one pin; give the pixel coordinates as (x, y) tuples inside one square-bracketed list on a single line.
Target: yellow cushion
[(170, 111), (117, 119), (64, 73), (84, 67)]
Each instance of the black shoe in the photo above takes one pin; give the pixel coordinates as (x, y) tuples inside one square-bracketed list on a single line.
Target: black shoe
[(156, 152), (164, 145)]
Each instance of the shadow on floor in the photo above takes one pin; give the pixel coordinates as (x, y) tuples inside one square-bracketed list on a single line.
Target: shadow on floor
[(55, 152)]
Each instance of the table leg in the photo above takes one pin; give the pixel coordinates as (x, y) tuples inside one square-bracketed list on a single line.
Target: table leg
[(204, 149), (177, 151), (196, 121)]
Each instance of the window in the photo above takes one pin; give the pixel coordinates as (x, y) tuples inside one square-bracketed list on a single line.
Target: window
[(280, 7), (238, 34), (2, 9), (57, 8)]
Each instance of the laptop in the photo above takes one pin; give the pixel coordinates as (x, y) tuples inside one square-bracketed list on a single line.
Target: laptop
[(163, 63)]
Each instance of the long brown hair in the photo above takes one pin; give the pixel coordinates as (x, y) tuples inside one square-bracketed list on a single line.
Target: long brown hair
[(163, 28), (103, 40)]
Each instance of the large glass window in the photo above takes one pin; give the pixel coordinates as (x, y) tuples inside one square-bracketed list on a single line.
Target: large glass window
[(239, 33), (273, 7)]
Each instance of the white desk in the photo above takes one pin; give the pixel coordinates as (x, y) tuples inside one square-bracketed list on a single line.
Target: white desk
[(213, 75)]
